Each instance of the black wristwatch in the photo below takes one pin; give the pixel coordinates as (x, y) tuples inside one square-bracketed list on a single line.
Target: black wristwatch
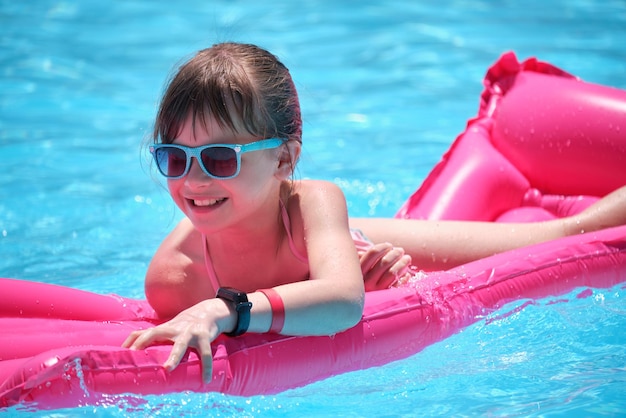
[(241, 305)]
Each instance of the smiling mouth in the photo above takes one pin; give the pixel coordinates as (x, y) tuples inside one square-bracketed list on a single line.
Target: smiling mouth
[(203, 203)]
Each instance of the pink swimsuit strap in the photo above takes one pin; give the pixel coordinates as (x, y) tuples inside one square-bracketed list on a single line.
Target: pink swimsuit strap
[(292, 246), (209, 266), (361, 242)]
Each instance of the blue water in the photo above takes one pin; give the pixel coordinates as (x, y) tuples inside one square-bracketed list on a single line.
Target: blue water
[(385, 87)]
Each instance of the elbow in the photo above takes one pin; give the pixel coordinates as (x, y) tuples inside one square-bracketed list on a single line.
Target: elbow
[(164, 300), (355, 315), (353, 311)]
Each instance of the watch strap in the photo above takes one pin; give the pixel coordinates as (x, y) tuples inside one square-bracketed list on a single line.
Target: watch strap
[(242, 307)]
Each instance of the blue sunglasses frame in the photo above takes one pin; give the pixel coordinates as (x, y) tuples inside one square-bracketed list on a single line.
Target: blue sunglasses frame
[(196, 152)]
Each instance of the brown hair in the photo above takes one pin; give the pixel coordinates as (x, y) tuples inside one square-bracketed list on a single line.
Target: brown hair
[(238, 85)]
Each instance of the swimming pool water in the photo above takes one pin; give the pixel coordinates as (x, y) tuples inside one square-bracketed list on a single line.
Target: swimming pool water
[(385, 87)]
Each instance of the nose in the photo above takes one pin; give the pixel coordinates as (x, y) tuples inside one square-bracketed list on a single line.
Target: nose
[(196, 174)]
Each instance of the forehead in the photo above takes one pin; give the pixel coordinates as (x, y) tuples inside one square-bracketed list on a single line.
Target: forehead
[(207, 128)]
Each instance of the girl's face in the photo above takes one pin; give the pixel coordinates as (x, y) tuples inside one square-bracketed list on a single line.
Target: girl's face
[(244, 201)]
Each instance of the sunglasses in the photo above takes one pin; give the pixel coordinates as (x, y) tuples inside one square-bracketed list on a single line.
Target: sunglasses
[(219, 161)]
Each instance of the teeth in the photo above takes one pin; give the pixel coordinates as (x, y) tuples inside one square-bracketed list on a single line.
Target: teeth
[(207, 202)]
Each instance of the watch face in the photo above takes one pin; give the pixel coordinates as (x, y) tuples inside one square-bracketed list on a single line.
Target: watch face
[(232, 294)]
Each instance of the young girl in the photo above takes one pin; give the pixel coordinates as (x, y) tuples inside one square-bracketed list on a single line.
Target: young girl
[(260, 252)]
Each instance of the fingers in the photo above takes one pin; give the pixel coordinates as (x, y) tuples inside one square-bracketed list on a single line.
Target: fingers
[(138, 340), (206, 357), (382, 265), (390, 275), (400, 270), (370, 257), (176, 354), (204, 351), (128, 342)]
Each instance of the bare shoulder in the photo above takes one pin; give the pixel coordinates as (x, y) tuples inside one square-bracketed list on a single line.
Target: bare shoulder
[(173, 280), (321, 202), (180, 244), (320, 192)]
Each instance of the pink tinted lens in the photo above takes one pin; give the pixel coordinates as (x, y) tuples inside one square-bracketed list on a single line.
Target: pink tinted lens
[(220, 161), (171, 161)]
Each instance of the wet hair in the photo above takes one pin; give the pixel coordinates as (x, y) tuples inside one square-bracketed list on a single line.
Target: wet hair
[(240, 85)]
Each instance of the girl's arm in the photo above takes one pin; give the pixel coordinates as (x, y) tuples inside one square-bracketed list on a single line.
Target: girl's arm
[(332, 299)]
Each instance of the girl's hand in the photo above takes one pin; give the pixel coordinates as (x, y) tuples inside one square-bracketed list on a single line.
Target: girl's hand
[(384, 265), (195, 327)]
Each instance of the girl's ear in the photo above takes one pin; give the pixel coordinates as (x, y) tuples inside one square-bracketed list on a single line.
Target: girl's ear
[(289, 153)]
